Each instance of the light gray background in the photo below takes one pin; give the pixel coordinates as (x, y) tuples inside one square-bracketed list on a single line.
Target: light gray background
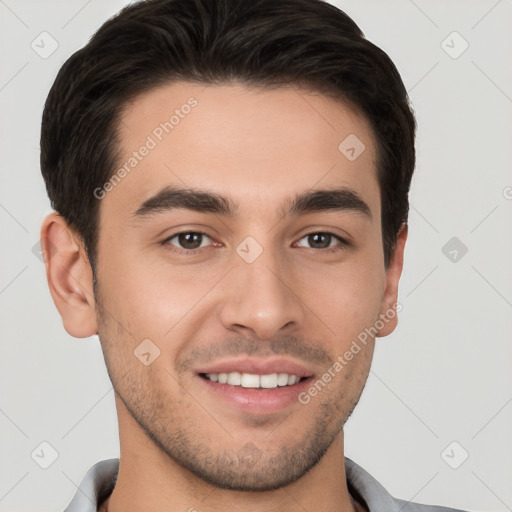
[(444, 376)]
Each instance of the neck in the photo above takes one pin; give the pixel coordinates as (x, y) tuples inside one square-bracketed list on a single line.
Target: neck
[(149, 480)]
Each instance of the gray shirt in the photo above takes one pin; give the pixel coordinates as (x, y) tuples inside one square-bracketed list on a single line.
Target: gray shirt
[(100, 480)]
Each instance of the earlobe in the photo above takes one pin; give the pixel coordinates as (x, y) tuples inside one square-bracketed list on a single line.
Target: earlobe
[(69, 276), (389, 311)]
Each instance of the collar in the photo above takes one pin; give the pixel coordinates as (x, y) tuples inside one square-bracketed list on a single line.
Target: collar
[(100, 480)]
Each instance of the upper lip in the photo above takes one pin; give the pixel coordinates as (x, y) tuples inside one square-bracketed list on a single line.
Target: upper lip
[(258, 367)]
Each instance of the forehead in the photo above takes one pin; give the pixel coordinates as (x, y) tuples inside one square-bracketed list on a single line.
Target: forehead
[(254, 144)]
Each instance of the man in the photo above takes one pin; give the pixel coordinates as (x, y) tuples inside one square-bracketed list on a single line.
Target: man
[(230, 183)]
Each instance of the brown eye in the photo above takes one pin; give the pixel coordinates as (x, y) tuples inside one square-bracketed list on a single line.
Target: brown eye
[(324, 241), (187, 240)]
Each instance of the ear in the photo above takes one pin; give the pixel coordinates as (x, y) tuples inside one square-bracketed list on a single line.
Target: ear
[(69, 276), (389, 310)]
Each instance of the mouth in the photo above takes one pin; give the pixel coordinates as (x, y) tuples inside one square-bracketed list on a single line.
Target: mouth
[(253, 380), (256, 386)]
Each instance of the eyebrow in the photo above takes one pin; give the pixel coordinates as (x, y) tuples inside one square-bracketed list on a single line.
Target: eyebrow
[(172, 198)]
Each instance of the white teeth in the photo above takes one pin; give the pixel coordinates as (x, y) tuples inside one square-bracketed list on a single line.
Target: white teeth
[(282, 379), (250, 380), (269, 381), (292, 379), (234, 378)]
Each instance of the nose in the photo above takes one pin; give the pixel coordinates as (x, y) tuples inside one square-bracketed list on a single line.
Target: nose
[(262, 297)]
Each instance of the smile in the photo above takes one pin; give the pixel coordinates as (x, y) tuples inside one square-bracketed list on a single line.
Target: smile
[(251, 380)]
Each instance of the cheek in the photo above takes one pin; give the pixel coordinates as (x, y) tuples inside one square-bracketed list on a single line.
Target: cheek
[(346, 297), (152, 300)]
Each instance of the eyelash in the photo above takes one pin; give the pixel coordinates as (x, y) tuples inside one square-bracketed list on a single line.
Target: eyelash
[(190, 252)]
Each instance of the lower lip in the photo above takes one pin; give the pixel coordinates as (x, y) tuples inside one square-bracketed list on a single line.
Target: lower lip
[(257, 401)]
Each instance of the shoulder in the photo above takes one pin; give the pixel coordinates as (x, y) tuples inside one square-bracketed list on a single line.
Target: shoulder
[(368, 491), (409, 506), (95, 486)]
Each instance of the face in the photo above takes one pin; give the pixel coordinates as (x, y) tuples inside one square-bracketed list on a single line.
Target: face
[(264, 277)]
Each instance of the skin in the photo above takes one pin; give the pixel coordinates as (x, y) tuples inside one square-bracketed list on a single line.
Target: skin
[(181, 445)]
